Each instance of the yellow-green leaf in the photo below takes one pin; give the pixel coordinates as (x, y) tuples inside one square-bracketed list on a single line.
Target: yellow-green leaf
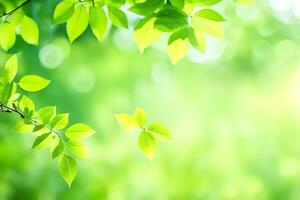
[(140, 116), (118, 17), (127, 122), (42, 141), (146, 35), (45, 114), (78, 22), (68, 168), (159, 131), (98, 21), (178, 49), (78, 132), (29, 30), (147, 144), (11, 68), (78, 149), (207, 26), (26, 102), (63, 11), (59, 149), (33, 83), (60, 121), (7, 36), (23, 128)]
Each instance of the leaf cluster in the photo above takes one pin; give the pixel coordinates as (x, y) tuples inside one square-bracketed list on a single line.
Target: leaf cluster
[(52, 130)]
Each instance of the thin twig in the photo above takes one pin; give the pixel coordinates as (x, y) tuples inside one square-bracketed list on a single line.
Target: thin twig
[(7, 109), (15, 9)]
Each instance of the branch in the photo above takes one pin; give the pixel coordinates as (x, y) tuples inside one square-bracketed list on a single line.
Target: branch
[(7, 109), (15, 9)]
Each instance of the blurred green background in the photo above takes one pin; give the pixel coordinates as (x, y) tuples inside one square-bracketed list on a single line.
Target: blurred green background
[(234, 112)]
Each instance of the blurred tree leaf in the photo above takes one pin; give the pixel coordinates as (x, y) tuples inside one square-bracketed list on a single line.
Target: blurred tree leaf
[(147, 144), (7, 36)]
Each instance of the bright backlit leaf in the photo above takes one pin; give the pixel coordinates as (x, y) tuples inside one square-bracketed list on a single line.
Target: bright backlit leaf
[(159, 131), (63, 11), (145, 33), (78, 132), (178, 49), (127, 122), (68, 168), (59, 149), (60, 121), (23, 128), (11, 68), (78, 149), (117, 17), (26, 102), (207, 26), (29, 30), (45, 114), (147, 144), (98, 21), (140, 116), (210, 15), (78, 22), (33, 83), (42, 141), (7, 36)]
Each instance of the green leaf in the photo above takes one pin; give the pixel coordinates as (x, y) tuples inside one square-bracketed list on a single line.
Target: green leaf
[(197, 39), (22, 128), (117, 17), (145, 33), (98, 21), (245, 2), (206, 2), (147, 144), (78, 149), (178, 3), (209, 14), (29, 30), (127, 122), (33, 83), (38, 128), (170, 19), (147, 7), (140, 116), (42, 141), (60, 121), (11, 68), (159, 132), (205, 25), (45, 114), (78, 22), (63, 11), (59, 149), (26, 102), (68, 168), (78, 132), (7, 36), (178, 49)]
